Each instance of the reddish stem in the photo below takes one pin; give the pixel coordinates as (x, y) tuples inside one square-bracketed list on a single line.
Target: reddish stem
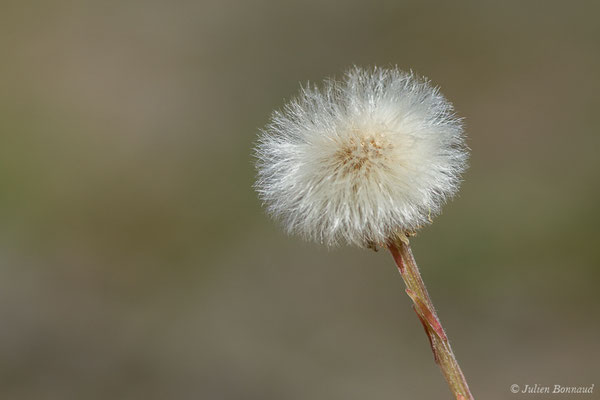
[(416, 290)]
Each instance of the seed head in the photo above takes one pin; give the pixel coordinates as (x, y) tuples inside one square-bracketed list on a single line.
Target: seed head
[(362, 159)]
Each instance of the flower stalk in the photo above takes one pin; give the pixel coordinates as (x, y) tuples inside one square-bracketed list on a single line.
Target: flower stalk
[(416, 290)]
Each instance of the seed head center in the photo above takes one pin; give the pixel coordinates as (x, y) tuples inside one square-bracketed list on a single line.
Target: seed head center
[(362, 153)]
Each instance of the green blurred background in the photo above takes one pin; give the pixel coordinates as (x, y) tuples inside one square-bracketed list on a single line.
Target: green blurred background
[(137, 263)]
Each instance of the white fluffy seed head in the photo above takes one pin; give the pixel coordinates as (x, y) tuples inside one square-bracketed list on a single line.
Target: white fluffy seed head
[(362, 159)]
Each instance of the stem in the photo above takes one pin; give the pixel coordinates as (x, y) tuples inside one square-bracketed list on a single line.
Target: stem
[(415, 288)]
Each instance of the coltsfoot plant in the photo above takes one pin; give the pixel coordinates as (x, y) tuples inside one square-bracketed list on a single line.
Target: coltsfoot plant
[(367, 161)]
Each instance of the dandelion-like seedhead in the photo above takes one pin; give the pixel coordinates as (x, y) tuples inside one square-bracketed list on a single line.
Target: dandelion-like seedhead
[(362, 159)]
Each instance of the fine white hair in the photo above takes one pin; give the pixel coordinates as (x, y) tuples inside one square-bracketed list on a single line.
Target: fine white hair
[(362, 159)]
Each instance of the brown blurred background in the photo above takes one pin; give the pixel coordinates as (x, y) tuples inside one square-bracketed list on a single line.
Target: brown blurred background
[(137, 263)]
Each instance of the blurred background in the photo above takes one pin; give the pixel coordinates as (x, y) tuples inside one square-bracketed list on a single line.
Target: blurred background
[(137, 263)]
